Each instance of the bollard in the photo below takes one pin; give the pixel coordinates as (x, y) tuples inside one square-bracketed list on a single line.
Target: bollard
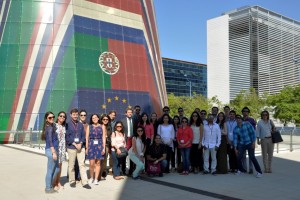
[(277, 147), (291, 141), (30, 137)]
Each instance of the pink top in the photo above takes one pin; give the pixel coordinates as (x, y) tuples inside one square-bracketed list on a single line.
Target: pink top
[(117, 140)]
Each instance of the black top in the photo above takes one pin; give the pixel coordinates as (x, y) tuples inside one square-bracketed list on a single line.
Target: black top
[(157, 151)]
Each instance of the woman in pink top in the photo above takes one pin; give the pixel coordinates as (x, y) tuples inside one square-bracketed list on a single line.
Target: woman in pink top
[(184, 139), (117, 141)]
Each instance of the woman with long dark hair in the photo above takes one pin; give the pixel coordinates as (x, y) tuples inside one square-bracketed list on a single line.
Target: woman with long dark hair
[(196, 150), (61, 134), (176, 154), (222, 150), (51, 150), (137, 151), (154, 122)]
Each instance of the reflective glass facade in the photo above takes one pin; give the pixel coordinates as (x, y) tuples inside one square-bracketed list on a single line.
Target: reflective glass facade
[(179, 74)]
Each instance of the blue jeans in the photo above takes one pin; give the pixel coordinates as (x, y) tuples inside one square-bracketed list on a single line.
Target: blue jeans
[(116, 163), (163, 165), (52, 169), (185, 153), (241, 151)]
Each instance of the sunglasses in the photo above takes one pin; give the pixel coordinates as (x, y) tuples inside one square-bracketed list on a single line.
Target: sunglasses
[(245, 110), (119, 126), (202, 113), (137, 110), (238, 118), (139, 130), (104, 119), (62, 116), (184, 121), (82, 115), (264, 115), (51, 117), (180, 111), (195, 116), (166, 110)]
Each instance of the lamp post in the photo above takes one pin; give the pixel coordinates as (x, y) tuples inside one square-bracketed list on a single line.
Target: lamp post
[(190, 84)]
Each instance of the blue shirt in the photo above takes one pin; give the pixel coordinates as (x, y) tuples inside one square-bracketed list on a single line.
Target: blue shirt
[(51, 137), (243, 135), (230, 124), (73, 131)]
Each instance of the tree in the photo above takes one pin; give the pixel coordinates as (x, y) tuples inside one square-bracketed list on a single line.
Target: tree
[(250, 99), (287, 104)]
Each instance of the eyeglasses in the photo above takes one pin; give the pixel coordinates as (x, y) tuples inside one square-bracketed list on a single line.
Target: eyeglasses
[(82, 115), (104, 119), (137, 110), (51, 117), (139, 130), (245, 110), (180, 110), (184, 121), (62, 116), (166, 110)]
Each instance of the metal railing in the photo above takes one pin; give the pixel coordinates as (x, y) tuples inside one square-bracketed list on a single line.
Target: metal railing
[(290, 136)]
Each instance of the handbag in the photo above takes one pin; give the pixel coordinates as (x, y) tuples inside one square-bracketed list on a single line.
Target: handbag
[(153, 168), (276, 137), (123, 153)]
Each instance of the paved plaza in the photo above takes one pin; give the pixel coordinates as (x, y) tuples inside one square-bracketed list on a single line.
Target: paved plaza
[(23, 177)]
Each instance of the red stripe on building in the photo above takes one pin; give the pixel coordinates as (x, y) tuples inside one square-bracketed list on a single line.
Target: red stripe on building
[(133, 6), (46, 57)]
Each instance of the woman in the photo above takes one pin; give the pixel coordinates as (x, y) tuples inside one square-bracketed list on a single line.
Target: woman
[(167, 133), (117, 141), (263, 132), (105, 121), (95, 147), (61, 134), (196, 150), (184, 139), (154, 122), (51, 150), (222, 150), (137, 151), (176, 155), (148, 127)]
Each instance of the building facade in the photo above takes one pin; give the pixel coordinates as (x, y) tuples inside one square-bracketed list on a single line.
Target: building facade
[(96, 55), (251, 47), (183, 78)]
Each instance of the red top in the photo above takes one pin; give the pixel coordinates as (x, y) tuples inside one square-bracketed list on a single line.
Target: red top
[(149, 130), (185, 136)]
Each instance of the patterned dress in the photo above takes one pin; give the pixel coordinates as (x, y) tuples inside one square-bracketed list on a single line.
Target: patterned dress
[(95, 143), (61, 133)]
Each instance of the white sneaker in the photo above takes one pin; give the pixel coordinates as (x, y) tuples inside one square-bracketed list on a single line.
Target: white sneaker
[(258, 175), (90, 181), (96, 182), (238, 172)]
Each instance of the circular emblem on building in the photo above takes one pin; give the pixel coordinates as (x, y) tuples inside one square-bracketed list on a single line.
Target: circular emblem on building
[(109, 63)]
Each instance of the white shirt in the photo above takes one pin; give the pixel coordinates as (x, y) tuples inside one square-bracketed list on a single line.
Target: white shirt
[(167, 134), (139, 146), (231, 124), (196, 134), (211, 135)]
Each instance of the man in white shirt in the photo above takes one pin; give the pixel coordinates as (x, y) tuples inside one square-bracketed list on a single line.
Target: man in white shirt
[(211, 142)]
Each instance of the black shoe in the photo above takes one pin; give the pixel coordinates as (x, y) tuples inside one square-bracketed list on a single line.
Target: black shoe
[(87, 186), (214, 173), (160, 175), (205, 172), (51, 191), (104, 174), (73, 185), (250, 171)]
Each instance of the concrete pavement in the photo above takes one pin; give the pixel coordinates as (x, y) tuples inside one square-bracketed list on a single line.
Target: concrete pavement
[(23, 177)]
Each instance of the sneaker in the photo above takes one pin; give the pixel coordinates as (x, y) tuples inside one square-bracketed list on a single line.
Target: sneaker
[(258, 175), (96, 182), (87, 186), (238, 172), (205, 172), (136, 178), (90, 182), (214, 173), (73, 184), (51, 191)]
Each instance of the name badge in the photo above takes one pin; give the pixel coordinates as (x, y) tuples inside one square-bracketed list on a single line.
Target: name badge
[(182, 141), (76, 140), (95, 141)]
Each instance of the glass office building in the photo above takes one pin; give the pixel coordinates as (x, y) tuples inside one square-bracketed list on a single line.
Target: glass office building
[(252, 47), (183, 77)]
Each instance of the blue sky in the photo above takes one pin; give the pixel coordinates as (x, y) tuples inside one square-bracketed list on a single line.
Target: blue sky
[(182, 23)]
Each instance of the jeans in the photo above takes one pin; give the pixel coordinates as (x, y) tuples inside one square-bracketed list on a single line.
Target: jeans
[(139, 164), (52, 169), (163, 165), (116, 163), (185, 153), (241, 151)]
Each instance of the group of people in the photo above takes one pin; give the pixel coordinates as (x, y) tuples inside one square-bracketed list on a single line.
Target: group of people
[(133, 145)]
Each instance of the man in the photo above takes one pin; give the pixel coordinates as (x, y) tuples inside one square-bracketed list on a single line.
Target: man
[(75, 137), (211, 142), (231, 124), (166, 110), (203, 116), (157, 153), (244, 138), (197, 110), (215, 111), (112, 115), (129, 126), (226, 112), (246, 118), (180, 113), (137, 116)]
